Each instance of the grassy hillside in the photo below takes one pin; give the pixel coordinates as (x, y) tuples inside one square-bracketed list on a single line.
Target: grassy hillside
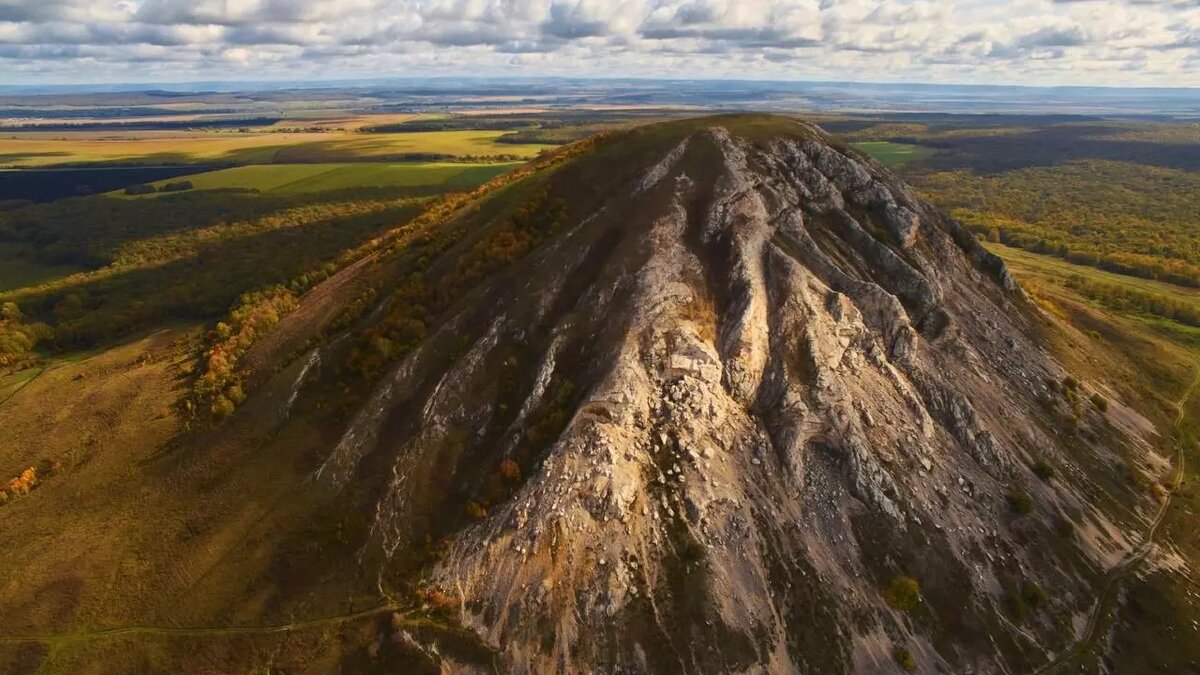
[(160, 270), (140, 554), (1152, 363), (1118, 292), (210, 583)]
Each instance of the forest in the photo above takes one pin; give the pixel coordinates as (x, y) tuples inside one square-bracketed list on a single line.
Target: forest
[(1117, 195)]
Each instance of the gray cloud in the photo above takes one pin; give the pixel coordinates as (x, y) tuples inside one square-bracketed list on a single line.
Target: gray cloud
[(1103, 41)]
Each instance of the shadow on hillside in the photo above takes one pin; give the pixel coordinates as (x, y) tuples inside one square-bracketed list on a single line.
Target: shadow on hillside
[(1053, 146), (115, 303)]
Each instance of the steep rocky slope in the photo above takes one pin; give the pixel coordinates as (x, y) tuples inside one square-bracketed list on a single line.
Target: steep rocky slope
[(711, 396), (745, 386)]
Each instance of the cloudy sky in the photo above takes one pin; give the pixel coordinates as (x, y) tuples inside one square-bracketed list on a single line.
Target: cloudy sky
[(1124, 42)]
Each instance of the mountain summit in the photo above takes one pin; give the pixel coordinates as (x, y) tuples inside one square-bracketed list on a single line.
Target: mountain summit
[(744, 403)]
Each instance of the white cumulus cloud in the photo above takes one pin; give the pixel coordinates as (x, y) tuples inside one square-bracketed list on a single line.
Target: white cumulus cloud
[(1132, 42)]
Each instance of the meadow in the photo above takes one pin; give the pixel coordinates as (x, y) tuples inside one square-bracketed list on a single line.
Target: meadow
[(309, 178), (894, 154)]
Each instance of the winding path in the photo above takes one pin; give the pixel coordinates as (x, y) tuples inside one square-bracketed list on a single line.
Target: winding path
[(84, 635), (24, 384), (1106, 601)]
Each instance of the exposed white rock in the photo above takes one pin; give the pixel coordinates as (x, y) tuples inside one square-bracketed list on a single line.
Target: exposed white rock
[(845, 379)]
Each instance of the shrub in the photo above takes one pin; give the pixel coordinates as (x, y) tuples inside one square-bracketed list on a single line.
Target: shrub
[(1022, 601), (177, 186), (440, 603), (222, 407), (1100, 402), (24, 483), (903, 593), (1069, 383), (219, 387), (510, 470), (1016, 606), (27, 480), (17, 338), (1043, 470), (1020, 502), (1033, 594), (476, 510), (904, 659), (143, 189)]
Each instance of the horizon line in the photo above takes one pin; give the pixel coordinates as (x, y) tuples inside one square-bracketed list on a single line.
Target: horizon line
[(325, 82)]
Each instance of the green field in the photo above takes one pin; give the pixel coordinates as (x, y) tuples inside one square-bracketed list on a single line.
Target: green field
[(19, 269), (894, 154), (308, 178), (1037, 267)]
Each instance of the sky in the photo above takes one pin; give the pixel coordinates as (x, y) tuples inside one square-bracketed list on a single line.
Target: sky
[(1043, 42)]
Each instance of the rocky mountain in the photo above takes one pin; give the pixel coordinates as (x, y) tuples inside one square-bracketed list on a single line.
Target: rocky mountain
[(711, 396), (748, 405)]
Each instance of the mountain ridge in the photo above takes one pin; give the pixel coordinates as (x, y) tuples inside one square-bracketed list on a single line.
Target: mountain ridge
[(745, 393)]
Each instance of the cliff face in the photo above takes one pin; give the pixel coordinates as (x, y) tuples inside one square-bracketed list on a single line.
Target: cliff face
[(714, 423)]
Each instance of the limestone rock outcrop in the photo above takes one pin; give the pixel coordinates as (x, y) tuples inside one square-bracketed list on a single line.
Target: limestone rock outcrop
[(780, 381)]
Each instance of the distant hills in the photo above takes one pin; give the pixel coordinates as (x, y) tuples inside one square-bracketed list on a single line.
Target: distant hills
[(453, 92)]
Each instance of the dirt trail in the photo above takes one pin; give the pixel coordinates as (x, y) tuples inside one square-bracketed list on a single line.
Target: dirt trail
[(1106, 601), (85, 635), (24, 384)]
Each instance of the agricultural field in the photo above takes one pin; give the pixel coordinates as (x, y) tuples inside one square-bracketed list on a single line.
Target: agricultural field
[(309, 178), (43, 149), (103, 266), (894, 154)]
